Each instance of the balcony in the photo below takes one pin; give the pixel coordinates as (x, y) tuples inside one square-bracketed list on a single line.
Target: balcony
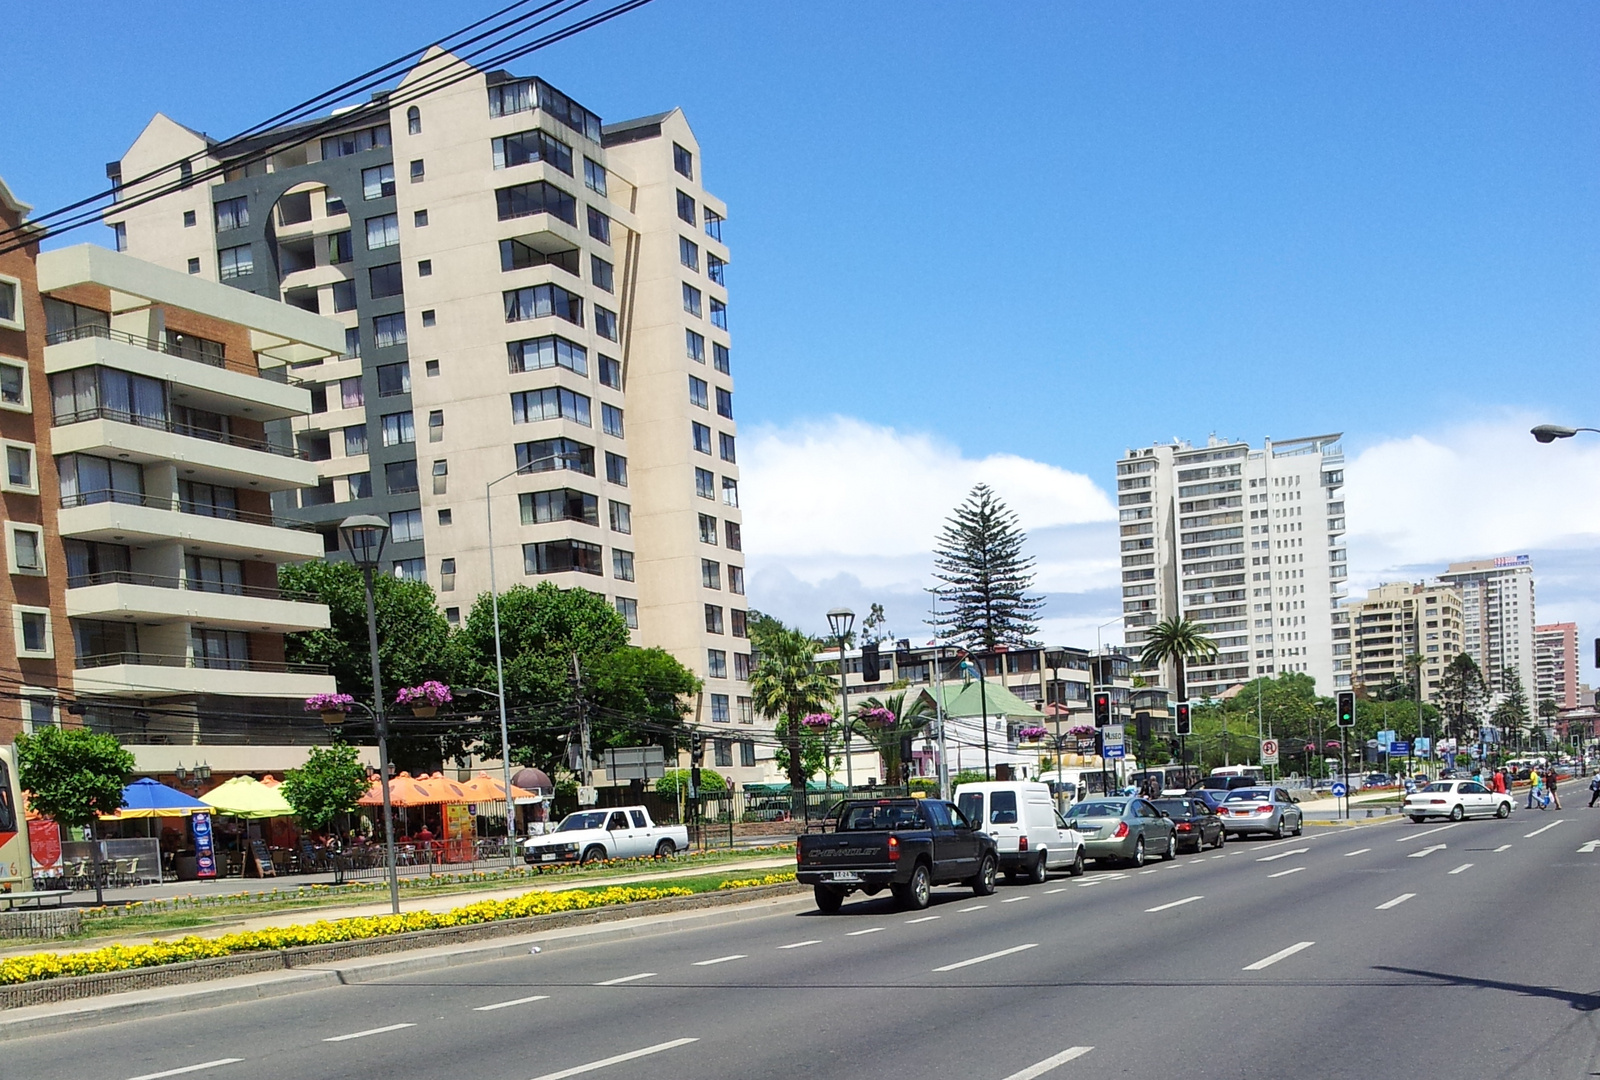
[(152, 598), (126, 517), (145, 675), (212, 456)]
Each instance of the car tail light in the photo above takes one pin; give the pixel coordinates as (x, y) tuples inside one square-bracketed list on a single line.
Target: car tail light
[(1184, 826), (1122, 830), (894, 849), (1022, 843), (1263, 809)]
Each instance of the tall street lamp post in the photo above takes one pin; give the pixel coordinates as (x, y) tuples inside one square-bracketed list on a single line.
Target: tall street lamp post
[(840, 620), (364, 536)]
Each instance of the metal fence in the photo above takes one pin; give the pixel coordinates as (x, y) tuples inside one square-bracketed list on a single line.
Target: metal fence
[(133, 861)]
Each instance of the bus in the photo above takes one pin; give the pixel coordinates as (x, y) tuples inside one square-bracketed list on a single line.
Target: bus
[(1166, 779), (16, 866)]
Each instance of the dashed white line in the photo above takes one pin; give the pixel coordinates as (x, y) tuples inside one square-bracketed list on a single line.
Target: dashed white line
[(1281, 954), (987, 956), (1152, 870), (1547, 828), (1049, 892), (1502, 847), (369, 1031), (802, 944), (188, 1069), (974, 907), (628, 979), (1222, 856), (1113, 877), (720, 959), (509, 1004), (1283, 854), (925, 918), (577, 1070), (1396, 902), (1429, 832), (868, 930), (1357, 851), (1463, 866), (1286, 873), (1032, 1072), (1013, 899), (1429, 850), (1086, 884), (1175, 903)]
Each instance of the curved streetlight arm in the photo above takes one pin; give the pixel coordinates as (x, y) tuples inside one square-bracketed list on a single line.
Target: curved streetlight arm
[(1548, 433)]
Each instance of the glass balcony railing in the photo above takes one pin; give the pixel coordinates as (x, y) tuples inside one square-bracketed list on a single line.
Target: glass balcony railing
[(154, 502), (215, 663), (199, 356), (162, 423), (160, 581)]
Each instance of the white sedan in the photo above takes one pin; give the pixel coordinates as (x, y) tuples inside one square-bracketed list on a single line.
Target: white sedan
[(1455, 799)]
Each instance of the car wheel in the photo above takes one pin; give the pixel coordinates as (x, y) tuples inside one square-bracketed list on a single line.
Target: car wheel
[(1222, 838), (1039, 872), (1504, 811), (1279, 833), (983, 883), (1172, 849), (1457, 813), (828, 901), (1077, 865), (593, 853), (1138, 852), (916, 893), (1299, 826), (666, 849)]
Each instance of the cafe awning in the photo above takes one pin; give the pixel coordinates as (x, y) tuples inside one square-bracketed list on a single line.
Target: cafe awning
[(247, 797), (147, 798)]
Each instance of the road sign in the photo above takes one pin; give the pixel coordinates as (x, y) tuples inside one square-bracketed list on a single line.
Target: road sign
[(1116, 753), (636, 762), (1339, 791), (1399, 749), (1422, 745), (1114, 737), (1269, 751)]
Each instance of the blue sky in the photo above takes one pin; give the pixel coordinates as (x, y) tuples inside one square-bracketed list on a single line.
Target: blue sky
[(1044, 231)]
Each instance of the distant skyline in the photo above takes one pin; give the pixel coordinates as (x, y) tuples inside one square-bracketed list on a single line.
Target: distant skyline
[(1008, 243)]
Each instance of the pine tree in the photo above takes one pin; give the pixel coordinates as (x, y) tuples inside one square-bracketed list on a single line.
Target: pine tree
[(986, 577)]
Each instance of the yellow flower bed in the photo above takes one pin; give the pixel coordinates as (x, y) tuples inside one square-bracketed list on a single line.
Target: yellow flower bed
[(769, 879), (21, 969)]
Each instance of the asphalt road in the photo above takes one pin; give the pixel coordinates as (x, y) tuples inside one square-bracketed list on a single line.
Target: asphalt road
[(1394, 950)]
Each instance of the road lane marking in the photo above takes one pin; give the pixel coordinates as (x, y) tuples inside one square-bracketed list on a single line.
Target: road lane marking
[(1429, 832), (1547, 828), (1502, 847), (628, 979), (720, 959), (1357, 851), (868, 930), (1175, 903), (1396, 902), (1013, 899), (802, 944), (1463, 866), (1286, 873), (974, 907), (369, 1031), (925, 918), (1113, 877), (1032, 1072), (1086, 884), (187, 1069), (1222, 856), (1588, 849), (1281, 954), (1429, 850), (509, 1004), (616, 1060), (1152, 870), (1283, 854), (987, 956), (1048, 892)]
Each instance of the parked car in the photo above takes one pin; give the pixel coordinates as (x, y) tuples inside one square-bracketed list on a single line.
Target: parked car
[(1265, 810), (1031, 837), (1376, 780), (1124, 829), (904, 845), (1455, 799), (1194, 821), (1212, 797), (591, 835)]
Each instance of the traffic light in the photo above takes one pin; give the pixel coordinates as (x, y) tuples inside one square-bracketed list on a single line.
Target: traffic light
[(1347, 708), (1185, 725), (697, 749), (1102, 708), (869, 662)]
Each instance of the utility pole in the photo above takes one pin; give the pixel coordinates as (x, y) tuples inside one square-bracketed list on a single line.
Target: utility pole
[(583, 722)]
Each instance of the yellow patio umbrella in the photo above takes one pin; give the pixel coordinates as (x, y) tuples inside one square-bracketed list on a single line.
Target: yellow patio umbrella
[(247, 797)]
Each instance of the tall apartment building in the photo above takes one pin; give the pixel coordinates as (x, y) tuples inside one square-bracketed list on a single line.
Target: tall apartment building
[(1249, 543), (1555, 664), (141, 545), (527, 295), (1497, 601), (1403, 620)]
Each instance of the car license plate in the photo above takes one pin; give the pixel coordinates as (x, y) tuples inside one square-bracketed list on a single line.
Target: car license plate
[(548, 856), (845, 875)]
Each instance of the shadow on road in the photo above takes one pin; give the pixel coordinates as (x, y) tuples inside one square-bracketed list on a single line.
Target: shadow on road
[(1575, 1000)]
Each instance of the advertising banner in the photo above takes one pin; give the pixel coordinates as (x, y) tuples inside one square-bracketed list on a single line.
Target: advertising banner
[(205, 855)]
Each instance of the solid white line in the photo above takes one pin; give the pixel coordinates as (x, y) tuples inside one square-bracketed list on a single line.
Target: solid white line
[(1283, 854), (987, 956), (369, 1031), (1049, 1063), (1175, 903), (802, 944), (627, 979), (619, 1058), (1429, 832), (1502, 847), (1547, 828), (1357, 851), (720, 959), (1463, 866), (869, 930), (925, 918), (508, 1004), (1268, 961), (1396, 902), (1286, 873), (188, 1069), (1013, 899), (974, 907)]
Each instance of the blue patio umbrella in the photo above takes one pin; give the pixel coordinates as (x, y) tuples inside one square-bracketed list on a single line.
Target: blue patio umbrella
[(147, 798)]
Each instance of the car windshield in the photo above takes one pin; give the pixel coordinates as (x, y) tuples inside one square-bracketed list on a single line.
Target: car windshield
[(591, 819), (1249, 795), (1097, 809), (1175, 807), (1440, 787)]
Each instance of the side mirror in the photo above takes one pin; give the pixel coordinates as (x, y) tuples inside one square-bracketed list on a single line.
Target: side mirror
[(1166, 815)]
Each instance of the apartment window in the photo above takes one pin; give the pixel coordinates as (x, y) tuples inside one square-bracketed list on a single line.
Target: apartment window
[(360, 485), (425, 268), (452, 615), (747, 748), (405, 525), (400, 477), (351, 395), (394, 379), (702, 437), (611, 420), (600, 272), (444, 516), (441, 477), (398, 429), (616, 469), (561, 557), (695, 345), (710, 574), (416, 171), (21, 475), (719, 314), (294, 209), (689, 253), (605, 323), (741, 666), (714, 269), (14, 387), (39, 712), (562, 504), (548, 455), (599, 226), (419, 219), (235, 262), (508, 98), (354, 142), (747, 715), (621, 564), (726, 442), (550, 403), (713, 619), (537, 354), (629, 610), (447, 575), (713, 220), (527, 200), (413, 121), (344, 296), (736, 580), (717, 668), (526, 147), (333, 205), (594, 176), (231, 213), (25, 548), (32, 629), (691, 299), (705, 483), (725, 403), (340, 248), (389, 330), (736, 619), (319, 399), (411, 569), (542, 301), (515, 255), (436, 425), (733, 535), (730, 491), (686, 207), (119, 239), (698, 391), (377, 182), (610, 373), (720, 358), (621, 517), (190, 219), (385, 281), (208, 500), (383, 232), (431, 368), (708, 529)]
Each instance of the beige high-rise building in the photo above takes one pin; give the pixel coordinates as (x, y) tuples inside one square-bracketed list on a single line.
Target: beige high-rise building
[(1403, 620), (1497, 602), (532, 299)]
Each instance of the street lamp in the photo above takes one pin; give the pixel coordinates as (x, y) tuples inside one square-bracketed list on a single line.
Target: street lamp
[(364, 536), (840, 621), (1547, 433)]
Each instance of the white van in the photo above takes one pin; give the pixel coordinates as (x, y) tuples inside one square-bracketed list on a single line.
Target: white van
[(1030, 835)]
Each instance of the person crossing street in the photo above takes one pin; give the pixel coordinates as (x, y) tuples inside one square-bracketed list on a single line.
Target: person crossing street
[(1594, 789), (1550, 786)]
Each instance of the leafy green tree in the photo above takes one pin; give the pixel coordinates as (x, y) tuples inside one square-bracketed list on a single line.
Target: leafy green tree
[(327, 786), (711, 782), (1511, 715), (787, 684), (887, 739), (1461, 695), (73, 775), (1179, 641), (814, 750), (986, 577)]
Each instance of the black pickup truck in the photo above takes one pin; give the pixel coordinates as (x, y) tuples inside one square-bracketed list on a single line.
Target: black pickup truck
[(904, 845)]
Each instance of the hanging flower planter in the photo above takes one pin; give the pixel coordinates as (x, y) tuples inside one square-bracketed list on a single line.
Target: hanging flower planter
[(879, 718), (333, 707), (425, 699), (817, 721), (1031, 734)]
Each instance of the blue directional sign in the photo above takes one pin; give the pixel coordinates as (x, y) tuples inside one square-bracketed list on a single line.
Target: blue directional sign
[(1399, 749), (1339, 791)]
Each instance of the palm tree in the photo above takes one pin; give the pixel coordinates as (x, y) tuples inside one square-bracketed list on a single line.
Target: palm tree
[(887, 738), (1181, 641), (786, 684)]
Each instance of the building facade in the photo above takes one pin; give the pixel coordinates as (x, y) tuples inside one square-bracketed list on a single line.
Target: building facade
[(1403, 626), (1249, 543), (1555, 664), (534, 305), (1497, 604)]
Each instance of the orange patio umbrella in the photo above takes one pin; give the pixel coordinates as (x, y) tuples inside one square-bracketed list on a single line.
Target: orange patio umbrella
[(404, 790), (445, 791), (270, 780), (485, 788)]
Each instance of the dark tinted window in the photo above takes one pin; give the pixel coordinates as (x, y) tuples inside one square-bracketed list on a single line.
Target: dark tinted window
[(971, 804), (1175, 807), (939, 812)]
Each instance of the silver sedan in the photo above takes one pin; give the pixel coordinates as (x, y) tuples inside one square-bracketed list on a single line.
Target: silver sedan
[(1124, 829), (1269, 811)]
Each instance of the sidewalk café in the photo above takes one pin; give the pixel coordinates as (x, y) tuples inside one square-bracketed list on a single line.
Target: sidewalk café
[(445, 821), (142, 843)]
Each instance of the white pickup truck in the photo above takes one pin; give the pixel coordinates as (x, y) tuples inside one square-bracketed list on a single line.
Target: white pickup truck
[(624, 832)]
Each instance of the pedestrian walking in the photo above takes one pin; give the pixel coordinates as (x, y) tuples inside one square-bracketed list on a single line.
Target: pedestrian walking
[(1550, 786), (1533, 787), (1500, 781), (1594, 789)]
